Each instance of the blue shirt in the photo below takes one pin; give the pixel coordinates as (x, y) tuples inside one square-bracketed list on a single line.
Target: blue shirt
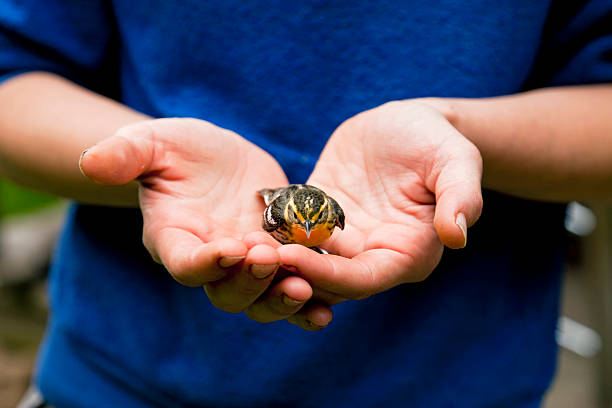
[(479, 332)]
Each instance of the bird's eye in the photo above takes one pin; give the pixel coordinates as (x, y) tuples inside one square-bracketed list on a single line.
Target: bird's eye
[(322, 215)]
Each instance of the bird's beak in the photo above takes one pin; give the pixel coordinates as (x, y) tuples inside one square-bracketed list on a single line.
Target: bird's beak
[(307, 224)]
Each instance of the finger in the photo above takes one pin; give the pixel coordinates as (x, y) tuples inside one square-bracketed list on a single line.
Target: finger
[(260, 238), (320, 295), (458, 197), (121, 158), (240, 289), (281, 301), (312, 317), (332, 273), (370, 272), (190, 261)]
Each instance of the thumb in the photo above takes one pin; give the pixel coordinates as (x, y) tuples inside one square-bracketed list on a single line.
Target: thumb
[(458, 198), (121, 158)]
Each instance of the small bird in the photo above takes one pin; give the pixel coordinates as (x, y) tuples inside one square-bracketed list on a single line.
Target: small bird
[(300, 214)]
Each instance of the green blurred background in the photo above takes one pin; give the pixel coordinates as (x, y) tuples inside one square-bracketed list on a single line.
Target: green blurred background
[(17, 200)]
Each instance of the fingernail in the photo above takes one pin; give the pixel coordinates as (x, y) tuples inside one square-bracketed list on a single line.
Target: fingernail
[(462, 224), (262, 271), (291, 302), (81, 162), (227, 261)]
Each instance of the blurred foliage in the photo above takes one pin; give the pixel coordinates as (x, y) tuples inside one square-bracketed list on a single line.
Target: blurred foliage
[(17, 200)]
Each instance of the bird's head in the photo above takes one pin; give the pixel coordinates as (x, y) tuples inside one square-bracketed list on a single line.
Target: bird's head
[(308, 209)]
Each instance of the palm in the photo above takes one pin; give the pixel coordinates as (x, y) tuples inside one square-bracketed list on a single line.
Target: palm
[(386, 207), (402, 174), (207, 183), (198, 198)]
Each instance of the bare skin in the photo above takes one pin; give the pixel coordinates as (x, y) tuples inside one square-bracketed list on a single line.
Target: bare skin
[(407, 176), (193, 183), (411, 184), (202, 217), (46, 122), (550, 144), (547, 144)]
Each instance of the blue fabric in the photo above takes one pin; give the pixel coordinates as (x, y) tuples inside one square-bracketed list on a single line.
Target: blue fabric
[(478, 333)]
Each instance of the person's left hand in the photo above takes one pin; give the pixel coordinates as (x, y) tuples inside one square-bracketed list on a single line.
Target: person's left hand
[(409, 183)]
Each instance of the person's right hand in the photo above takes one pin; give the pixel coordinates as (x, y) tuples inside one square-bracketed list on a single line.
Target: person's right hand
[(202, 215)]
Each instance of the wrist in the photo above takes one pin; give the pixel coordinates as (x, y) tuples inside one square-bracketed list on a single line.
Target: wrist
[(450, 108)]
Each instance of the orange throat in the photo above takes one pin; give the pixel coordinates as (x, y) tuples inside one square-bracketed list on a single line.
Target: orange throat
[(318, 235)]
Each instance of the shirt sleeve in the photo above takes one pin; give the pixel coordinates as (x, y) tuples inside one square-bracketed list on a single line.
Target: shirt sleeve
[(71, 38), (576, 45)]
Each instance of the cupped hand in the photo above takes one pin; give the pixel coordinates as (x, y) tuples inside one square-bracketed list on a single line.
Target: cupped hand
[(197, 193), (409, 183)]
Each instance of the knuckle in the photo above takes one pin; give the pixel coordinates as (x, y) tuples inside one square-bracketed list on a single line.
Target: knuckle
[(183, 277), (474, 208), (154, 255), (226, 305), (232, 299), (249, 290), (281, 309), (136, 130), (183, 281), (181, 273), (293, 319), (417, 277), (255, 315), (472, 154), (369, 283)]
